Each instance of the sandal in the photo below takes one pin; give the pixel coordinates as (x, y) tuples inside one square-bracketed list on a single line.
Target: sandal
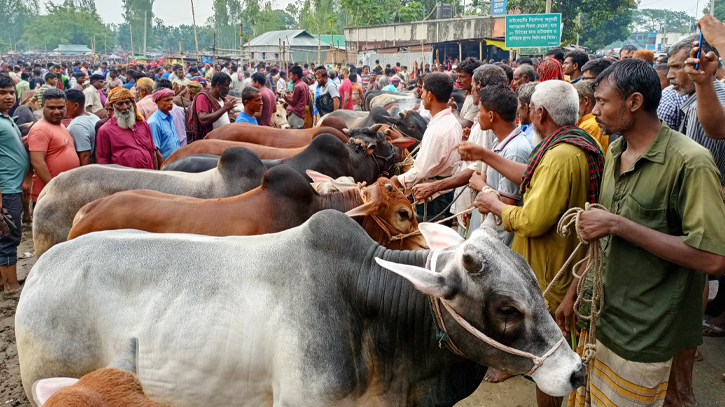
[(712, 330)]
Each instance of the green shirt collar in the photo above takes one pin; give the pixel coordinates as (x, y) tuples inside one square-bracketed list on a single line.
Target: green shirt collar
[(655, 152)]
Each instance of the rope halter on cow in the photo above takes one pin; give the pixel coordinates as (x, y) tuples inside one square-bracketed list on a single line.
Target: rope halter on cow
[(436, 301)]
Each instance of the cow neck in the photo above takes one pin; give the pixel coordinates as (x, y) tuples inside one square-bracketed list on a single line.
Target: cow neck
[(366, 163), (399, 320), (341, 201)]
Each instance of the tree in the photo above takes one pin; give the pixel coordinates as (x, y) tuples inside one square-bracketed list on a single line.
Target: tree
[(719, 10), (16, 15), (597, 12), (412, 12), (657, 20), (133, 15), (614, 29), (64, 24)]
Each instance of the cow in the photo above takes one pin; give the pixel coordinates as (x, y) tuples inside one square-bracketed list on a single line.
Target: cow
[(318, 315), (24, 118), (410, 123), (365, 157), (333, 121), (239, 170), (269, 136), (373, 93), (284, 200), (405, 101), (113, 386), (217, 147), (356, 119)]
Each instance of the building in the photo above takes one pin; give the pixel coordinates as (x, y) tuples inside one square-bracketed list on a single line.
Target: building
[(430, 40), (287, 45), (665, 40), (72, 49)]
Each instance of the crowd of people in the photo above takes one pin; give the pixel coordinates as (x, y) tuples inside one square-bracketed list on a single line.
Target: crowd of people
[(535, 137)]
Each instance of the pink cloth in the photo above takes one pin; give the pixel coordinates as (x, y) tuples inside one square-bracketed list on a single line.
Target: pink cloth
[(269, 101), (345, 91), (130, 148), (102, 96), (147, 106)]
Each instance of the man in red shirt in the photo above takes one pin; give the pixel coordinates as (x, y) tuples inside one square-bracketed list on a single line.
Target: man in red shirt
[(126, 138), (345, 90), (268, 99), (298, 102), (210, 108), (52, 150)]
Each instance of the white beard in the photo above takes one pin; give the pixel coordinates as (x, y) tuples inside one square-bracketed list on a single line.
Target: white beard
[(127, 119), (537, 138)]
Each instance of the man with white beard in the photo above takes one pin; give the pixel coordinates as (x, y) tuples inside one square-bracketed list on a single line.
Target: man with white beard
[(126, 138)]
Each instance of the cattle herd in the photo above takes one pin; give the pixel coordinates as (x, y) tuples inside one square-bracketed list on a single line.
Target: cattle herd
[(273, 267)]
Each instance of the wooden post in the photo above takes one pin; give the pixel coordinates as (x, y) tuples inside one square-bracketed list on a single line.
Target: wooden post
[(422, 64), (319, 47), (480, 50), (249, 50), (279, 56), (284, 55), (193, 16), (213, 53), (241, 39), (460, 52), (130, 28), (180, 51)]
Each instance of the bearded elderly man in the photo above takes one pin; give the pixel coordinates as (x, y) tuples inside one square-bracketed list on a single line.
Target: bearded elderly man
[(126, 138), (564, 171)]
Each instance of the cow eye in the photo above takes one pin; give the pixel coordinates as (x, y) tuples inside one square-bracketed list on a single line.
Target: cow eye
[(403, 213), (508, 312)]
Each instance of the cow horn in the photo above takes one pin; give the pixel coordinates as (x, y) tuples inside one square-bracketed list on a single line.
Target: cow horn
[(389, 186), (375, 127), (346, 131)]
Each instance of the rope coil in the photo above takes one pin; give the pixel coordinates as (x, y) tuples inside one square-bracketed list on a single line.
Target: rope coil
[(595, 259)]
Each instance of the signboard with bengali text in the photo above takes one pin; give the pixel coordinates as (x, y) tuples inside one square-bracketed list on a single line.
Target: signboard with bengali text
[(498, 7), (533, 30)]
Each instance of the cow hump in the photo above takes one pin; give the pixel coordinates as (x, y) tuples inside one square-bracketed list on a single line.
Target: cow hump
[(285, 181)]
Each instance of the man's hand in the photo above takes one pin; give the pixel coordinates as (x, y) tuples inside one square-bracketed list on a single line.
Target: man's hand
[(477, 181), (452, 104), (423, 191), (4, 227), (229, 103), (396, 183), (713, 30), (706, 69), (565, 313), (470, 151), (466, 133), (485, 202), (596, 224)]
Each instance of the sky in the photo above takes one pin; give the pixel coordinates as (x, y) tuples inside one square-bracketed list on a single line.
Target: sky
[(177, 12)]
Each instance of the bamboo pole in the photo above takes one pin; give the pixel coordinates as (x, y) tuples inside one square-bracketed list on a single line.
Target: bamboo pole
[(422, 53), (130, 28), (319, 47), (193, 17)]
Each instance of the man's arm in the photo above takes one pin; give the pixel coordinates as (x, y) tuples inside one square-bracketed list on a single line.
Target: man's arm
[(336, 103), (209, 118), (597, 223), (510, 169), (84, 157), (423, 191), (465, 123), (158, 159), (37, 158), (710, 111)]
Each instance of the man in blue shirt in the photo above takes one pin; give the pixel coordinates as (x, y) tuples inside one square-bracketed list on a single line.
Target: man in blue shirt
[(162, 123), (14, 165), (131, 76), (252, 100)]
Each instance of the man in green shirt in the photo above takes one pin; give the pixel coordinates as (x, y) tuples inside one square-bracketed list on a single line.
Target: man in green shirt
[(662, 232), (23, 84)]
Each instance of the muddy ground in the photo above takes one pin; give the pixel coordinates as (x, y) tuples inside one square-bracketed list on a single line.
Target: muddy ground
[(517, 392)]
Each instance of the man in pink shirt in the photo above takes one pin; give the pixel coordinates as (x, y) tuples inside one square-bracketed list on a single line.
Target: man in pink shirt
[(145, 92), (52, 150), (345, 90), (268, 99), (126, 138)]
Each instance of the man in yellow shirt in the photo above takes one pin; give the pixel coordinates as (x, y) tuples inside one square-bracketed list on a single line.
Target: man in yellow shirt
[(564, 171), (587, 121)]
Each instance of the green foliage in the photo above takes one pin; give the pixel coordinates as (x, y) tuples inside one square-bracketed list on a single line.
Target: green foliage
[(597, 12), (657, 20), (16, 16), (412, 12), (64, 24), (4, 46), (133, 15), (719, 10), (614, 29)]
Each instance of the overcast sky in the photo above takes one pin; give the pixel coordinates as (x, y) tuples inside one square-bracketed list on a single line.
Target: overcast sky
[(176, 12)]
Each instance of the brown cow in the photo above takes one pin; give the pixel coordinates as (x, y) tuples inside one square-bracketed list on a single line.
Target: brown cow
[(284, 200), (269, 136), (217, 147)]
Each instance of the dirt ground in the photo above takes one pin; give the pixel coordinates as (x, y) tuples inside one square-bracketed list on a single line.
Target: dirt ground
[(516, 392)]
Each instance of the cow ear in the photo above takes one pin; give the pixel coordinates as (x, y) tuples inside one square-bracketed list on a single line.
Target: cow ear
[(343, 186), (362, 210), (403, 142), (371, 149), (426, 281), (393, 120), (439, 236), (44, 388), (318, 177)]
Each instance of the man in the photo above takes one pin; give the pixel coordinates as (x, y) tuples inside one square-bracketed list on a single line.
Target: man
[(14, 168), (225, 68), (271, 79), (373, 82), (525, 73), (328, 98), (52, 150), (563, 172), (131, 76), (550, 69), (113, 80), (104, 69), (627, 52), (469, 111), (377, 66), (83, 126), (357, 92), (393, 85), (195, 77), (587, 121), (270, 101), (50, 81), (573, 62), (282, 82), (36, 81), (591, 69), (162, 125), (654, 259), (95, 98), (437, 158), (523, 111), (126, 138), (210, 108), (556, 54), (23, 85), (298, 101), (365, 77), (77, 80), (208, 72), (247, 82), (365, 60), (662, 69), (145, 93), (237, 79), (177, 112), (701, 120), (181, 78), (252, 100)]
